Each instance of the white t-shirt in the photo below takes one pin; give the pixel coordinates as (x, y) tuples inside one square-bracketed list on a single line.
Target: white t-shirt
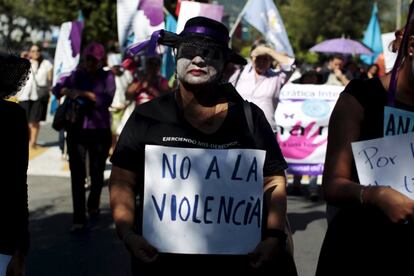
[(29, 91)]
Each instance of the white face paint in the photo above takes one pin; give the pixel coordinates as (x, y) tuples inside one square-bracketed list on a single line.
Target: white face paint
[(199, 71)]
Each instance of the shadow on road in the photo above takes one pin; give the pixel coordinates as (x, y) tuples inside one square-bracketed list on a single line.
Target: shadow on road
[(300, 221), (55, 251)]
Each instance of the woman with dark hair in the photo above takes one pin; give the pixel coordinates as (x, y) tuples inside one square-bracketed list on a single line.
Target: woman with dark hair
[(14, 157), (34, 97), (371, 231)]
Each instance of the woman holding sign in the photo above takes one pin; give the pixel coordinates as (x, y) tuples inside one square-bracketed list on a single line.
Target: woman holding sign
[(372, 231), (202, 116)]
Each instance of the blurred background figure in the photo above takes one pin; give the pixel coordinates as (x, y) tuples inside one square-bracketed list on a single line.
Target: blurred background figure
[(34, 96), (372, 72), (332, 71), (259, 82), (149, 84), (94, 88), (123, 78), (14, 158)]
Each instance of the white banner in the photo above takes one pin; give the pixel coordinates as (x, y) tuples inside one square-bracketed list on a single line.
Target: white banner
[(302, 117), (125, 14), (203, 201), (67, 50), (386, 161), (192, 9), (137, 20)]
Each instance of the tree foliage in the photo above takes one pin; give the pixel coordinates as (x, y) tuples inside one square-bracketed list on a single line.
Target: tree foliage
[(307, 21), (26, 16), (100, 16), (311, 21)]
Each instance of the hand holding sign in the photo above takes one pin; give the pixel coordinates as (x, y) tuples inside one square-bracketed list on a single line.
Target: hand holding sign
[(388, 162), (398, 207)]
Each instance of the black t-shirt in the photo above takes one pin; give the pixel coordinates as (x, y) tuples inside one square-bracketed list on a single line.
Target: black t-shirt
[(161, 122)]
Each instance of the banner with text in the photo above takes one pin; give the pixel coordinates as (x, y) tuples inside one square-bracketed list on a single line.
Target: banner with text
[(397, 121), (203, 201), (380, 162), (302, 117)]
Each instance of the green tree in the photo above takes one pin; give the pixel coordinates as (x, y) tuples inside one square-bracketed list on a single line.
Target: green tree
[(18, 20), (311, 21), (100, 16), (25, 16)]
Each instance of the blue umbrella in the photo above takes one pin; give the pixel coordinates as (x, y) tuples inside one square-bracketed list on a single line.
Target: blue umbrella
[(343, 46)]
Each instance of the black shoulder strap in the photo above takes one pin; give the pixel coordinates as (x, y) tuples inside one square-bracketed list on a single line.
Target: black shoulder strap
[(238, 76), (249, 117)]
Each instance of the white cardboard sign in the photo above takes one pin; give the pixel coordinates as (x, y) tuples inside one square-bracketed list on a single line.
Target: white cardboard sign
[(387, 161), (203, 201)]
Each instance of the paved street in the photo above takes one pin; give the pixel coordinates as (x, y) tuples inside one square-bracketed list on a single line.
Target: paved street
[(54, 251)]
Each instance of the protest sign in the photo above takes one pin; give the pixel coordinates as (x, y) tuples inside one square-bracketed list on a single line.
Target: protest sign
[(203, 201), (397, 121), (386, 161)]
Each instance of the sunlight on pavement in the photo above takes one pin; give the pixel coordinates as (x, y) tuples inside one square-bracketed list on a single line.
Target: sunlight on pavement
[(36, 152)]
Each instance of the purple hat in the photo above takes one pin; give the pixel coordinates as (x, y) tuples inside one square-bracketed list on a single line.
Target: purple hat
[(94, 49), (196, 28)]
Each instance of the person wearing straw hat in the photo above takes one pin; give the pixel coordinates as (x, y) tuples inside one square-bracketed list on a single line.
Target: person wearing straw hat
[(201, 109), (14, 159), (371, 230)]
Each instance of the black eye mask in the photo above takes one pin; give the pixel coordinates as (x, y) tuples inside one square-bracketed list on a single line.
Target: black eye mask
[(208, 51)]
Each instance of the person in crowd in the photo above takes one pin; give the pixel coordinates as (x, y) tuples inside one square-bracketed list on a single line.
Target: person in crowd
[(94, 88), (123, 78), (150, 84), (201, 109), (370, 232), (259, 83), (14, 158), (352, 70), (372, 72), (332, 72), (34, 97)]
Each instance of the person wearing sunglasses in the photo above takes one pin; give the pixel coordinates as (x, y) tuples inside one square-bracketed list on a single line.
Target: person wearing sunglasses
[(202, 114)]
